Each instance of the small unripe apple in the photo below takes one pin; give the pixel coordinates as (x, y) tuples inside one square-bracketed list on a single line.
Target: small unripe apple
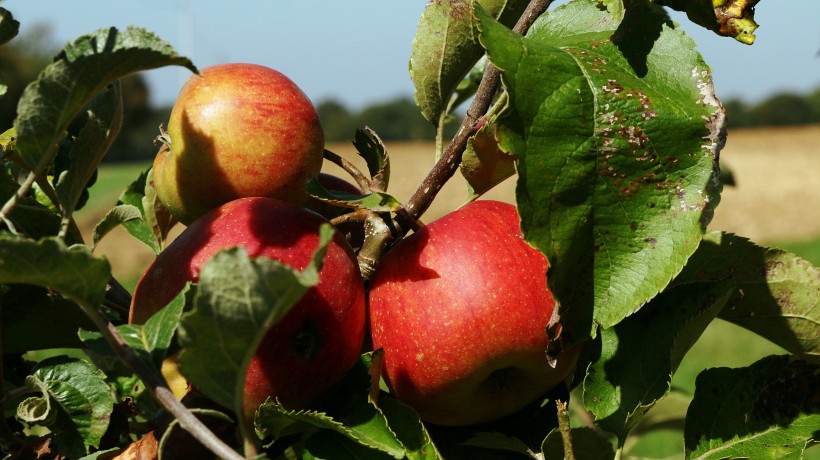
[(461, 309), (237, 130), (302, 357)]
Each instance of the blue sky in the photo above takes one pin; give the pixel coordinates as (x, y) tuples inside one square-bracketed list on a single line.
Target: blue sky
[(357, 51)]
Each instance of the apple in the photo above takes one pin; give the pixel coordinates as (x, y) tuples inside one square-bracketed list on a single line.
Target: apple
[(237, 130), (304, 355), (460, 308)]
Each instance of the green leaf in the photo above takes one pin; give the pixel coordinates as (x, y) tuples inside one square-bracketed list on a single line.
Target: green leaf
[(116, 216), (83, 69), (84, 399), (767, 410), (237, 301), (90, 146), (72, 271), (150, 341), (640, 355), (728, 18), (371, 148), (9, 27), (777, 296), (484, 165), (377, 201), (587, 444), (445, 48), (616, 129)]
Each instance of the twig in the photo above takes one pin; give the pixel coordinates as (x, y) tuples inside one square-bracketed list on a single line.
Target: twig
[(563, 426), (350, 168), (446, 166), (158, 388)]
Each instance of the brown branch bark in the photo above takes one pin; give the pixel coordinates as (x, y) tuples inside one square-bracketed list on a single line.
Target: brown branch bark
[(444, 169)]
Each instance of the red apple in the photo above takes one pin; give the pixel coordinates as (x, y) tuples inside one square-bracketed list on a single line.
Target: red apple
[(460, 309), (237, 130), (305, 354)]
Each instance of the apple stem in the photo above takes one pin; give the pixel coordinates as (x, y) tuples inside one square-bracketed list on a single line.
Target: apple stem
[(446, 166), (362, 180), (564, 427), (377, 237)]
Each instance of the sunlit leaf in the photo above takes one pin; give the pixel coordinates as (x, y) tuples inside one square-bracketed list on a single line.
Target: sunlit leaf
[(83, 69), (446, 47), (767, 410), (72, 271), (616, 130), (116, 216)]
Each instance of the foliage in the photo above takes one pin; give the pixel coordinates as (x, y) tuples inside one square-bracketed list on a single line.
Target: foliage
[(605, 112)]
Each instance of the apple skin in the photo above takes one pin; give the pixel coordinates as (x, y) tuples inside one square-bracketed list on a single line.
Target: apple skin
[(460, 309), (237, 130), (304, 355)]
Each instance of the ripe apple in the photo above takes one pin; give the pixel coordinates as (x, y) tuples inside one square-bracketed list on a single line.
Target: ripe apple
[(460, 308), (305, 354), (237, 130)]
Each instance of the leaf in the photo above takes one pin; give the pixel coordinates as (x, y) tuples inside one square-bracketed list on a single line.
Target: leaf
[(150, 341), (777, 295), (9, 27), (484, 165), (71, 271), (90, 146), (640, 355), (377, 201), (619, 178), (445, 48), (767, 410), (371, 148), (84, 399), (116, 216), (237, 301), (728, 18), (587, 444), (79, 72)]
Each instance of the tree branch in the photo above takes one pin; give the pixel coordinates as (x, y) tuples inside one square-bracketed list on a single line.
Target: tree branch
[(444, 169), (158, 388)]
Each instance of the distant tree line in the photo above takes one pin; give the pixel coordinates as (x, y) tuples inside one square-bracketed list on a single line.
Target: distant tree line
[(394, 119), (781, 109)]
